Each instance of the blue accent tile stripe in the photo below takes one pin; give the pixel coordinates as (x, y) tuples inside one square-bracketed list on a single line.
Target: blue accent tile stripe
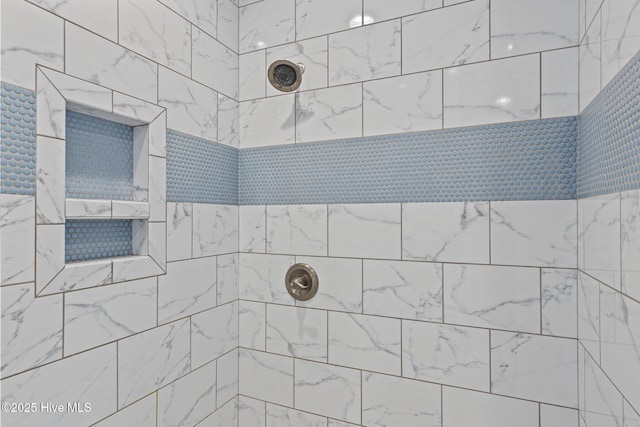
[(531, 160), (609, 132), (95, 239), (99, 158), (18, 140), (201, 171)]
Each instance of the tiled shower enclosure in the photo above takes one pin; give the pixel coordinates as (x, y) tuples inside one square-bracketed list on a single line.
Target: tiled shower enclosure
[(463, 176)]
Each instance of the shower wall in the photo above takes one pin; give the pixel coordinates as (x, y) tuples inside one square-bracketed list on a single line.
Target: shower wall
[(609, 214), (160, 350)]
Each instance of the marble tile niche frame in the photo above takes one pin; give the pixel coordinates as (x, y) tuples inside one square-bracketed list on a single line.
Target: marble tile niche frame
[(55, 93)]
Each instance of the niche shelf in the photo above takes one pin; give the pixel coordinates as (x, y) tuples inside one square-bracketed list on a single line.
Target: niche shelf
[(101, 185)]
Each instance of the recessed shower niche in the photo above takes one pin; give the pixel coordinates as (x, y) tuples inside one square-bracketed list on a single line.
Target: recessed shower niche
[(101, 190)]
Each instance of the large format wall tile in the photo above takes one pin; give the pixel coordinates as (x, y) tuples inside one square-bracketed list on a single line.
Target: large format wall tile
[(278, 416), (299, 230), (266, 376), (602, 403), (179, 231), (297, 332), (266, 23), (215, 229), (560, 83), (261, 278), (213, 333), (589, 314), (265, 122), (559, 302), (101, 17), (140, 414), (252, 320), (251, 412), (590, 63), (620, 36), (381, 10), (214, 64), (227, 377), (630, 239), (318, 17), (253, 231), (311, 53), (201, 14), (18, 225)]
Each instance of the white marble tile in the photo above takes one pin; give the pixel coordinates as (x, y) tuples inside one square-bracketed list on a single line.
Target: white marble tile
[(80, 276), (97, 316), (367, 342), (191, 106), (319, 17), (328, 390), (559, 302), (591, 8), (215, 229), (189, 400), (251, 412), (83, 208), (179, 232), (112, 65), (297, 332), (125, 209), (506, 90), (492, 297), (278, 416), (188, 287), (228, 121), (297, 229), (227, 380), (266, 122), (365, 230), (157, 246), (311, 53), (602, 400), (620, 341), (534, 233), (620, 36), (261, 278), (23, 46), (381, 10), (631, 417), (141, 168), (332, 113), (601, 237), (340, 286), (525, 26), (227, 278), (630, 239), (17, 224), (445, 354), (446, 37), (135, 110), (140, 237), (50, 115), (392, 401), (158, 135), (556, 416), (213, 333), (151, 360), (266, 23), (253, 229), (542, 369), (266, 376), (486, 410), (252, 75), (335, 423), (590, 63), (140, 414), (101, 18), (365, 53), (409, 290), (50, 176), (589, 314), (31, 329), (560, 84), (79, 94), (214, 64), (450, 232), (49, 253), (252, 318), (204, 15), (89, 377), (134, 267), (228, 23), (155, 31), (403, 104)]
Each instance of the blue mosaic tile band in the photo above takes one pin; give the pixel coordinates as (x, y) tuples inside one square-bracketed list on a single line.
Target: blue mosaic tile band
[(201, 171), (18, 140), (95, 239), (532, 160), (609, 132), (99, 158)]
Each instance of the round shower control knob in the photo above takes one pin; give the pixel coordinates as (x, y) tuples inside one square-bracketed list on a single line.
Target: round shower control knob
[(301, 281)]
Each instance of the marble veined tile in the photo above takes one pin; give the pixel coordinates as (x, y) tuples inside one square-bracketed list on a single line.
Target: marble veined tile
[(140, 414), (297, 332), (556, 416), (591, 63), (268, 121), (18, 226), (227, 379), (631, 417), (261, 278), (50, 175), (101, 17), (252, 75), (252, 228), (560, 83), (630, 236), (603, 402), (589, 314), (202, 14), (228, 23), (214, 64), (252, 319), (366, 53), (560, 302), (446, 37), (620, 35), (228, 121), (266, 376), (311, 53), (278, 416), (189, 400), (298, 229), (381, 10), (213, 333), (215, 229), (251, 412), (319, 17), (267, 23), (340, 285), (227, 278), (179, 223)]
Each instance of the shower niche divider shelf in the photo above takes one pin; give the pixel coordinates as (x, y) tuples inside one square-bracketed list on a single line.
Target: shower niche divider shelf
[(57, 94)]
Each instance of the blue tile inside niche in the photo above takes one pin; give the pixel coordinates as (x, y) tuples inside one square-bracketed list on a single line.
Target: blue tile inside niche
[(609, 132), (99, 158), (18, 140), (94, 239), (531, 160)]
